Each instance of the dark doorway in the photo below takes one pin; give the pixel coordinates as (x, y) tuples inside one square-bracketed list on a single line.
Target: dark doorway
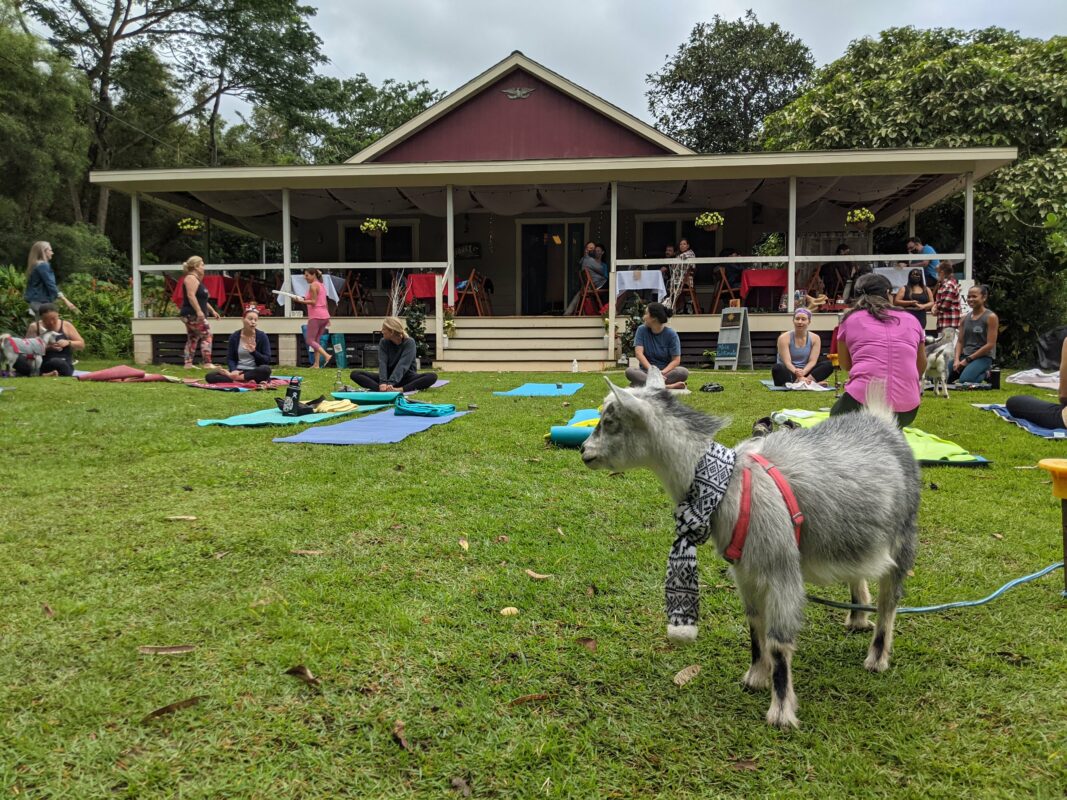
[(550, 253)]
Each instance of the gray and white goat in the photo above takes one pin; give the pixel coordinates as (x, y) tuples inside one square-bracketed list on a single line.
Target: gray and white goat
[(940, 354), (857, 485)]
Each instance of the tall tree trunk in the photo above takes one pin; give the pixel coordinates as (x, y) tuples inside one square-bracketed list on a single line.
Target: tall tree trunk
[(76, 201), (213, 121)]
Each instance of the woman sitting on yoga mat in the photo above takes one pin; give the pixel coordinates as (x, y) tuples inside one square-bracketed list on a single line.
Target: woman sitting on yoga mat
[(1041, 412), (876, 342), (799, 359), (396, 363), (59, 356), (976, 346), (656, 344), (248, 353)]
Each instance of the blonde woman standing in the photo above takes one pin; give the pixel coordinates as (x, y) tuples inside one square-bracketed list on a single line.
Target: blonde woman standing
[(396, 363), (196, 306), (41, 285)]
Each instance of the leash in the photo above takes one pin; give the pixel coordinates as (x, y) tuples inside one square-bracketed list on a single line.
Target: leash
[(945, 606)]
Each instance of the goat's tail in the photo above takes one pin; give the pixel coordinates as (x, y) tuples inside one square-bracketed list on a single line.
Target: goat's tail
[(877, 403)]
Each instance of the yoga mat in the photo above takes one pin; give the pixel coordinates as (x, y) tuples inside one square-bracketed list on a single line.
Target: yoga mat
[(383, 428), (240, 386), (366, 398), (542, 390), (273, 416), (770, 385), (125, 374), (928, 449), (434, 385), (577, 429), (1002, 412)]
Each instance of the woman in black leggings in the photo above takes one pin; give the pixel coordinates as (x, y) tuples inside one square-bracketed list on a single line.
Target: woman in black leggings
[(1041, 412)]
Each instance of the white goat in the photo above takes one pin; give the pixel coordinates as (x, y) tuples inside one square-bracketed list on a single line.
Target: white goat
[(857, 485), (940, 354)]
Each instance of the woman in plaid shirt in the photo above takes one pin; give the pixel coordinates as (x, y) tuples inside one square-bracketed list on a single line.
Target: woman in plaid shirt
[(947, 298)]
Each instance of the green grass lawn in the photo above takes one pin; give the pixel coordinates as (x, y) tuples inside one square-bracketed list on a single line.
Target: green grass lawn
[(402, 623)]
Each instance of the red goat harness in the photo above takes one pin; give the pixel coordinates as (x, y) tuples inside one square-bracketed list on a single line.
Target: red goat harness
[(737, 541)]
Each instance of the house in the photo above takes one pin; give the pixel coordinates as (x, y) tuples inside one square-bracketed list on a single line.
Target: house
[(503, 181)]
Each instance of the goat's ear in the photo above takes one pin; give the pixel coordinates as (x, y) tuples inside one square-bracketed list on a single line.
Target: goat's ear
[(655, 378), (623, 397)]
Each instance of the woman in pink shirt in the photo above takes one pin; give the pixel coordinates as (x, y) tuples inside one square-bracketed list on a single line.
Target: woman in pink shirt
[(318, 315), (877, 343)]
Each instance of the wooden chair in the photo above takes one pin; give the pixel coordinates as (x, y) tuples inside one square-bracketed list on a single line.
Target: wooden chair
[(475, 290), (688, 296), (724, 288), (360, 300), (240, 295), (591, 293)]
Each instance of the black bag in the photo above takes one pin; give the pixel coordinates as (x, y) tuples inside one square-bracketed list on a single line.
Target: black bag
[(1049, 346), (289, 405)]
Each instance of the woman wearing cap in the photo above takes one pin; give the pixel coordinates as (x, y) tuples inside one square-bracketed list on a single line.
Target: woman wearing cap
[(799, 354), (878, 343), (248, 353), (396, 363)]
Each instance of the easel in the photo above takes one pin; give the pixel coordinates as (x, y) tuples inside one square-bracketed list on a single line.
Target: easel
[(734, 346)]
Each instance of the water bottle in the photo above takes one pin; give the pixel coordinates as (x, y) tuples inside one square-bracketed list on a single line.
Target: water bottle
[(574, 365), (338, 386)]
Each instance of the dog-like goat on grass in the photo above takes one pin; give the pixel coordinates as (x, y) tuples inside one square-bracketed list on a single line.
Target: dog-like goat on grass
[(853, 477)]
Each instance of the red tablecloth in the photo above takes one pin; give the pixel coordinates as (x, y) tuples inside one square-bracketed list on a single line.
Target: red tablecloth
[(421, 286), (218, 286), (763, 278)]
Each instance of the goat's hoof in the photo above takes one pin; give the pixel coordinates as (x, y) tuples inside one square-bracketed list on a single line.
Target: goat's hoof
[(858, 625), (756, 678), (875, 663), (782, 717), (682, 634)]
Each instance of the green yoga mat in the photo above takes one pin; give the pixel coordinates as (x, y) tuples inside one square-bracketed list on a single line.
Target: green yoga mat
[(273, 416), (366, 398), (929, 450)]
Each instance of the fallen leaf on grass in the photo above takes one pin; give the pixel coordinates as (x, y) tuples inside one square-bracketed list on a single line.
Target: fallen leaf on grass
[(303, 673), (165, 649), (559, 530), (537, 576), (186, 703), (181, 518), (306, 552), (398, 735), (533, 461), (47, 609), (685, 675), (502, 538), (744, 764), (527, 698), (461, 786), (591, 590), (265, 601), (509, 611), (464, 543), (1028, 466), (587, 643), (998, 535), (1013, 658), (221, 554)]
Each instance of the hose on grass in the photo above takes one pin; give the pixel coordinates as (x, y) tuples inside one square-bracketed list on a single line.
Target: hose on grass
[(945, 606)]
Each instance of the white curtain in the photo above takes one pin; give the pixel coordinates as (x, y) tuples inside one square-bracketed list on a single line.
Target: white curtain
[(649, 196), (372, 201), (717, 195), (774, 193), (435, 201), (310, 204), (574, 198), (507, 201), (867, 188), (240, 204)]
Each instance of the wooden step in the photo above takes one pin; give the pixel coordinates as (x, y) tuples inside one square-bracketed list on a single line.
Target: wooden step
[(523, 366), (463, 323), (528, 333), (588, 354), (496, 345)]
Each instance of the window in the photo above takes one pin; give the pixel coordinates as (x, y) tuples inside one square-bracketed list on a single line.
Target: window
[(400, 244)]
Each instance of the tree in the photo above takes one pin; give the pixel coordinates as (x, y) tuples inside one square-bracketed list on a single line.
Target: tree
[(255, 49), (713, 94), (951, 88)]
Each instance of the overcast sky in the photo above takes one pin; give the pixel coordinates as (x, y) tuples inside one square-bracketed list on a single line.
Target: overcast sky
[(609, 47)]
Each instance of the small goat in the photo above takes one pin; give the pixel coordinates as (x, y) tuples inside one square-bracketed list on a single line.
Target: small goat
[(857, 485), (940, 354), (34, 349)]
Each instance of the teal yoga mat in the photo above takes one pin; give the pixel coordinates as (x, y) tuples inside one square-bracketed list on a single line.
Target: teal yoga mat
[(570, 436), (273, 416), (366, 398), (542, 390)]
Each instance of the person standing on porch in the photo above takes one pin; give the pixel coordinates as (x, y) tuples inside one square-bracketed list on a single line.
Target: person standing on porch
[(196, 306), (396, 363), (657, 345), (947, 298), (915, 246), (679, 272), (318, 316)]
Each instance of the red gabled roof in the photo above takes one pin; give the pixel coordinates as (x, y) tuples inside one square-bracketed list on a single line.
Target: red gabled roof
[(516, 111)]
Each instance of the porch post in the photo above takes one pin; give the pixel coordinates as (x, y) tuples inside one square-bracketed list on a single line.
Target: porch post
[(135, 252), (451, 255), (611, 273), (287, 252), (968, 229), (911, 222), (792, 265)]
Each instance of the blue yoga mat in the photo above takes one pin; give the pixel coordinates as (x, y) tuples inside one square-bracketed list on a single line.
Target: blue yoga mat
[(273, 416), (384, 428), (366, 398), (1002, 412), (770, 385), (542, 390), (570, 436)]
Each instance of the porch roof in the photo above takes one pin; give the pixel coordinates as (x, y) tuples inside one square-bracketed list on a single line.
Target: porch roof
[(923, 176)]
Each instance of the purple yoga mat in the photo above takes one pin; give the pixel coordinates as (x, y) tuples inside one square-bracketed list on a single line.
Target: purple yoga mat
[(381, 428)]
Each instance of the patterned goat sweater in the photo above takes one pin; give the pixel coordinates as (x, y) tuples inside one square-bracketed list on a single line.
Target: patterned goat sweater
[(692, 523)]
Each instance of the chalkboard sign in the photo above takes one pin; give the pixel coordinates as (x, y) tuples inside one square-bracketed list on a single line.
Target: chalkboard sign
[(468, 251), (734, 346)]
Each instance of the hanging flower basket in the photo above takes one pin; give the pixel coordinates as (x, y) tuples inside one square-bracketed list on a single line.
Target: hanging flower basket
[(372, 226), (191, 226), (709, 221), (859, 218)]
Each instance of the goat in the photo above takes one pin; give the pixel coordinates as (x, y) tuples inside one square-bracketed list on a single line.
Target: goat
[(34, 349), (857, 484), (940, 354)]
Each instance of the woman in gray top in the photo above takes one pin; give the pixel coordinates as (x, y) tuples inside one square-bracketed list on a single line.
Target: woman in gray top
[(976, 346), (396, 363)]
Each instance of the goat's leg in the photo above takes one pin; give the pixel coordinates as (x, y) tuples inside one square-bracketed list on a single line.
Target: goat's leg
[(783, 710), (857, 620), (759, 671), (882, 644), (782, 614)]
